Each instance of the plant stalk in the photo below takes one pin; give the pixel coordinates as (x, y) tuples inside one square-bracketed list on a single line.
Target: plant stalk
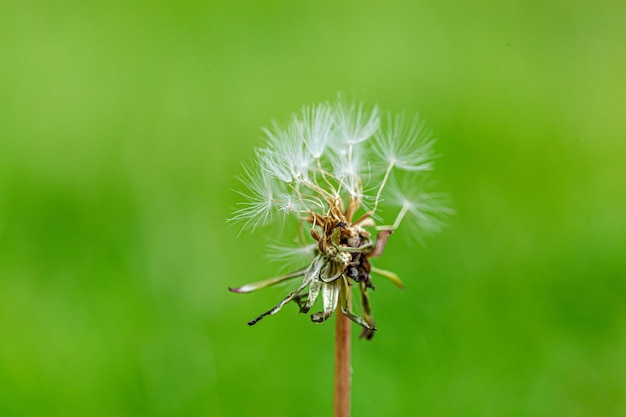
[(341, 397)]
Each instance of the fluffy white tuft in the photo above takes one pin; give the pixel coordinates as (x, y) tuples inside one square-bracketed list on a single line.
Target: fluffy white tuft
[(258, 208), (314, 126), (354, 123), (293, 255), (285, 155), (426, 211), (408, 147), (339, 151)]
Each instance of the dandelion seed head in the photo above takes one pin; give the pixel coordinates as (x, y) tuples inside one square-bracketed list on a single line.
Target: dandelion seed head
[(331, 168)]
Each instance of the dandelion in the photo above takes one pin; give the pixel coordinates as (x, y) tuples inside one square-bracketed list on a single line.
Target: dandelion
[(330, 169), (316, 169)]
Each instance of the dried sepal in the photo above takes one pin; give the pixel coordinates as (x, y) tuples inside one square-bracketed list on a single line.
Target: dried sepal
[(266, 283), (330, 296), (331, 271), (357, 319), (280, 305), (391, 276), (366, 306), (314, 291), (345, 309)]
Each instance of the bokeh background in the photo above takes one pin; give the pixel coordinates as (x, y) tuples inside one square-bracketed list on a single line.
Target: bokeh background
[(122, 127)]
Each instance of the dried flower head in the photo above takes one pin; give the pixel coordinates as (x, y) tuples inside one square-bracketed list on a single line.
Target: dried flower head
[(330, 168)]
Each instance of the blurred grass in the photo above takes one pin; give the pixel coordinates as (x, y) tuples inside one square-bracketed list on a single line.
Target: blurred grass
[(121, 131)]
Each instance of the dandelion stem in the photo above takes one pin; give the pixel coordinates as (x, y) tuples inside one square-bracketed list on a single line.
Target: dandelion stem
[(323, 172), (382, 185), (380, 191), (405, 207), (341, 398)]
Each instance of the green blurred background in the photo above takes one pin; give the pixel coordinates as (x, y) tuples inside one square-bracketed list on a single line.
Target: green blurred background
[(122, 127)]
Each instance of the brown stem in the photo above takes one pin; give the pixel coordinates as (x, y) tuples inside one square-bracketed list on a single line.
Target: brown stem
[(341, 399)]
